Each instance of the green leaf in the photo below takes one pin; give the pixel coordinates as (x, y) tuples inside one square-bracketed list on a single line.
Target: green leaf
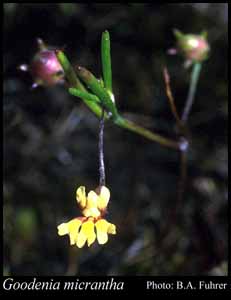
[(75, 82), (69, 71), (106, 60), (131, 126), (83, 95), (94, 84)]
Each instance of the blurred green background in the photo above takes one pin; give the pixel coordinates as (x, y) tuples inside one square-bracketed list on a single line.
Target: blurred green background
[(50, 143)]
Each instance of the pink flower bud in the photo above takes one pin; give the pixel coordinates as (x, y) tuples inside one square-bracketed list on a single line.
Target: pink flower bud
[(193, 47), (46, 69)]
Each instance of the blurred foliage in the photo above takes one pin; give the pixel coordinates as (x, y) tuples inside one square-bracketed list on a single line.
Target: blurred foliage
[(50, 143)]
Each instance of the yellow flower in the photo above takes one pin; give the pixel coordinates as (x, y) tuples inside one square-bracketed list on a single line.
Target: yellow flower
[(103, 227), (92, 226), (70, 228), (94, 204), (82, 230)]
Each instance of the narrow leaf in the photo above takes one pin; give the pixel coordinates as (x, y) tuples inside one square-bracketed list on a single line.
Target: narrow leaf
[(75, 82), (106, 60), (83, 95), (94, 84)]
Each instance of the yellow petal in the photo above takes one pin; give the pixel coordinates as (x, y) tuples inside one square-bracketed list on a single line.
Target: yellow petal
[(102, 237), (81, 240), (81, 196), (92, 199), (103, 198), (74, 224), (73, 227), (89, 232), (111, 229), (91, 212), (63, 229), (101, 229)]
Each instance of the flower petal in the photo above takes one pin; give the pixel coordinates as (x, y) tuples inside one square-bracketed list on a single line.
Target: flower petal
[(111, 229), (89, 232), (103, 198), (81, 239), (73, 227), (102, 228), (92, 199), (91, 212), (63, 229), (102, 237), (81, 196)]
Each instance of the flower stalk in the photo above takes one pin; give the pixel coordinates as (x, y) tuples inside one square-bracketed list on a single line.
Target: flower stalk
[(192, 90), (101, 153), (171, 98)]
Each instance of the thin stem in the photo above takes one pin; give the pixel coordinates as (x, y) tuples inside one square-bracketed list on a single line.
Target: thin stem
[(174, 211), (183, 175), (192, 90), (101, 154), (171, 99), (86, 76), (129, 125)]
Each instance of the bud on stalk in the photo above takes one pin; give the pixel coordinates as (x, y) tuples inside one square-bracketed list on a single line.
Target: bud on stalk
[(44, 67), (194, 48)]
